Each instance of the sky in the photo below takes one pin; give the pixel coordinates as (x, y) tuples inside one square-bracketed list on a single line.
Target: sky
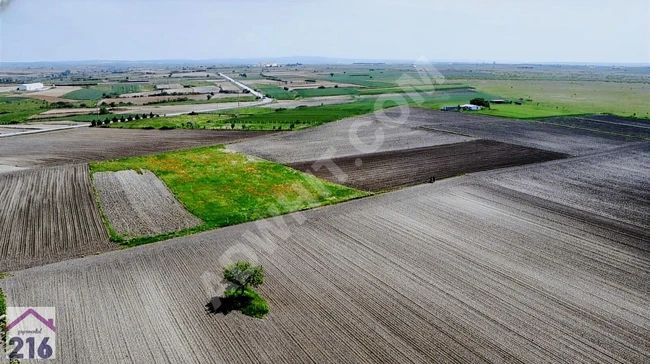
[(517, 31)]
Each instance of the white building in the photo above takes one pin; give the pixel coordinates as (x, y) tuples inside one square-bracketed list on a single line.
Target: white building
[(30, 87), (470, 107)]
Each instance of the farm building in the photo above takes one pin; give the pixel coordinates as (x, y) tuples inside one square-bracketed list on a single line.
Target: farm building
[(470, 107), (449, 108), (30, 87)]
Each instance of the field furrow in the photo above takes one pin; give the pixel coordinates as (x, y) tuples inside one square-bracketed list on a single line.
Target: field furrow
[(48, 215)]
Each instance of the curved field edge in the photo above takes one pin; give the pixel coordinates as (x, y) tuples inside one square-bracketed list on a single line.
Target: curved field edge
[(223, 188)]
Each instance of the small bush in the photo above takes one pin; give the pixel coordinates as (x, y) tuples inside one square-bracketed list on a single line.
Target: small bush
[(166, 127), (250, 303)]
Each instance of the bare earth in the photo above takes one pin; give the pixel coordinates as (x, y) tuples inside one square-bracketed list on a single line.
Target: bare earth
[(531, 134), (393, 169), (457, 271), (95, 144), (140, 204), (348, 137), (48, 215)]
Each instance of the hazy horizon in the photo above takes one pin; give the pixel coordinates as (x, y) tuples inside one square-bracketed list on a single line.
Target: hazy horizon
[(579, 32)]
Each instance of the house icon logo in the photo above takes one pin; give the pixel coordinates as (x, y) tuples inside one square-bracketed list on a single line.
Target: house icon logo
[(31, 333)]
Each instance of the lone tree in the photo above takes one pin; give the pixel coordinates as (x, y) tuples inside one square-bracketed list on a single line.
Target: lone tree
[(479, 101), (244, 274)]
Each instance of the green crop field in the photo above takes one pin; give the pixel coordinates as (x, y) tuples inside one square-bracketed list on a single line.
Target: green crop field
[(413, 88), (215, 100), (84, 94), (100, 91), (261, 118), (575, 97), (225, 189), (276, 92), (332, 91), (526, 111), (17, 109)]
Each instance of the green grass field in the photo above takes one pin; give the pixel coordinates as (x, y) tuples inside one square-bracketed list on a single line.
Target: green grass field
[(223, 188), (526, 111), (18, 109), (415, 88), (575, 97), (215, 100), (197, 83), (276, 92), (86, 93), (100, 91), (331, 91), (259, 118)]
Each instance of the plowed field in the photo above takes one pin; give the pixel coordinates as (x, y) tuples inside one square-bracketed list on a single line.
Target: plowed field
[(140, 204), (48, 215), (388, 170), (459, 271), (96, 144)]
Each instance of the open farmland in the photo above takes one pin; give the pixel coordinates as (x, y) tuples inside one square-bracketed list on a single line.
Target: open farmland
[(615, 184), (48, 215), (139, 204), (335, 140), (458, 271), (95, 144), (388, 170), (533, 134), (223, 188)]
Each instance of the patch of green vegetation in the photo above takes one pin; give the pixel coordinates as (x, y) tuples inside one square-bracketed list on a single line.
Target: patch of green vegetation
[(245, 277), (223, 188), (18, 109), (3, 321), (332, 91), (276, 92), (86, 93), (106, 91), (214, 100), (526, 111), (259, 118), (575, 97), (197, 83), (249, 303), (414, 88)]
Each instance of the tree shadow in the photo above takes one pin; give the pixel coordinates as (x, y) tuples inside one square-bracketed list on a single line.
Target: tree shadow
[(225, 305)]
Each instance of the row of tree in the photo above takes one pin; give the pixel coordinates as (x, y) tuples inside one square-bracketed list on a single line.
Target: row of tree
[(123, 119)]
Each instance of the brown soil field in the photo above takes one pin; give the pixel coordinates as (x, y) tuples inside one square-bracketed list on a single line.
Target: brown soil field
[(615, 184), (528, 133), (457, 271), (48, 215), (334, 140), (95, 144), (388, 170), (140, 204)]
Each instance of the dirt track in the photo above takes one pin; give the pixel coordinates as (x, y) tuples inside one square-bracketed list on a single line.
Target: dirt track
[(388, 170), (459, 271), (48, 215), (140, 204), (94, 144)]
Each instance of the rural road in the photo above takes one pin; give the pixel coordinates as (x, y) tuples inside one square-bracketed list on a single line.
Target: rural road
[(241, 85), (264, 100)]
